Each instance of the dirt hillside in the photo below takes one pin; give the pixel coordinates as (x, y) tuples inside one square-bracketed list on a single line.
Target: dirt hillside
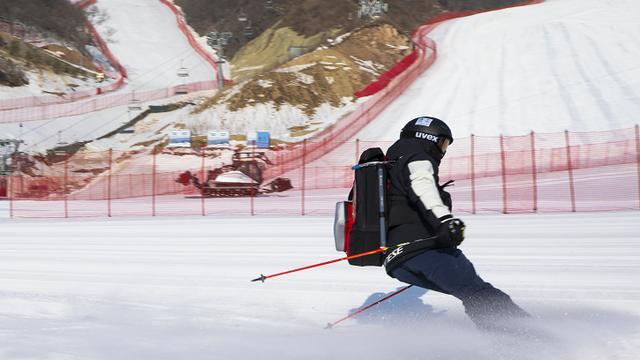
[(328, 74)]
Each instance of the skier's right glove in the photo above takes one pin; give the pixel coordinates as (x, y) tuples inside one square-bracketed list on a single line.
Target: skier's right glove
[(450, 231)]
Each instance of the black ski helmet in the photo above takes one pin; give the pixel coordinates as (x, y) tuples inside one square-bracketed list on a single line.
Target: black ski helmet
[(427, 128)]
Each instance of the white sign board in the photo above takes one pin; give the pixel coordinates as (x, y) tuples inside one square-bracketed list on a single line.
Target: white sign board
[(218, 137), (180, 138), (252, 136)]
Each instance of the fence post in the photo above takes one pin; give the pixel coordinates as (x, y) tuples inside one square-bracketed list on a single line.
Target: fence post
[(10, 194), (570, 168), (473, 175), (638, 159), (153, 185), (66, 187), (504, 175), (253, 156), (534, 172), (109, 183), (203, 180), (304, 154)]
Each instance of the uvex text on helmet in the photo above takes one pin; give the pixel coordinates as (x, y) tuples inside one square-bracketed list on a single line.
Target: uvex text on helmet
[(427, 128)]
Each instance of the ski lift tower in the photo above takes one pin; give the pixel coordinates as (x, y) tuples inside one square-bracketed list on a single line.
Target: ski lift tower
[(372, 8), (134, 104), (8, 148), (217, 41), (247, 31), (242, 16), (60, 142)]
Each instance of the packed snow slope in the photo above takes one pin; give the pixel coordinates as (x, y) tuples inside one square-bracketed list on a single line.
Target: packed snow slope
[(179, 289), (560, 65), (144, 37)]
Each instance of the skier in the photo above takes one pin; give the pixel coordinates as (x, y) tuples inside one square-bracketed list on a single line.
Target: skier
[(419, 211)]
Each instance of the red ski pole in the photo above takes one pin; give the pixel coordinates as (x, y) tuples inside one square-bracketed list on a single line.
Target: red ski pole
[(364, 308), (354, 256), (265, 277)]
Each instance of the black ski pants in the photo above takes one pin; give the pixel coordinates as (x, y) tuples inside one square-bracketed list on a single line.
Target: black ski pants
[(450, 272)]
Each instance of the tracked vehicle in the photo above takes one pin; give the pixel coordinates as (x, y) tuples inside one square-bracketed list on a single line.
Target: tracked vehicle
[(244, 177)]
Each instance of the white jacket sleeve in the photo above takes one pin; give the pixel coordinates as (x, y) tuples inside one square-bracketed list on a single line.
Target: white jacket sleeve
[(423, 184)]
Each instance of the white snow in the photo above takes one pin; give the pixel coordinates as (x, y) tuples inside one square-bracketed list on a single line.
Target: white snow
[(44, 83), (267, 116), (367, 65), (264, 83), (338, 39), (179, 289), (295, 68), (400, 47), (304, 78)]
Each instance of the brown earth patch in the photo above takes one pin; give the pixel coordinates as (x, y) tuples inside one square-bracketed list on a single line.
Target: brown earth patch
[(29, 56), (71, 55)]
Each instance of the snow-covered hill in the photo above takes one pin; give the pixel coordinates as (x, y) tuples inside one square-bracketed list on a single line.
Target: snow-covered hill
[(560, 65)]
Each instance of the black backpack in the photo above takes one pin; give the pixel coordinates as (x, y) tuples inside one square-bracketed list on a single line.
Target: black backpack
[(361, 222)]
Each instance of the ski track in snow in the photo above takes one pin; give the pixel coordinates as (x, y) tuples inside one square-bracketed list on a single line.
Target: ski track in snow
[(179, 289)]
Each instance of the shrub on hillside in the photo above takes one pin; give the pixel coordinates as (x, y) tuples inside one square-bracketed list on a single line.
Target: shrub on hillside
[(11, 75), (58, 17)]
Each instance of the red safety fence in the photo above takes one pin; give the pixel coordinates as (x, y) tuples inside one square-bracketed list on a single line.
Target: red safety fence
[(385, 78), (507, 174), (100, 103), (3, 187)]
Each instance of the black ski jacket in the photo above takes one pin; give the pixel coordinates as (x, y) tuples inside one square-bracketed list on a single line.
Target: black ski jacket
[(416, 200)]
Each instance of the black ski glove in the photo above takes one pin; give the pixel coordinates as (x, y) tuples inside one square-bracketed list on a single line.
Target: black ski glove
[(450, 231)]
